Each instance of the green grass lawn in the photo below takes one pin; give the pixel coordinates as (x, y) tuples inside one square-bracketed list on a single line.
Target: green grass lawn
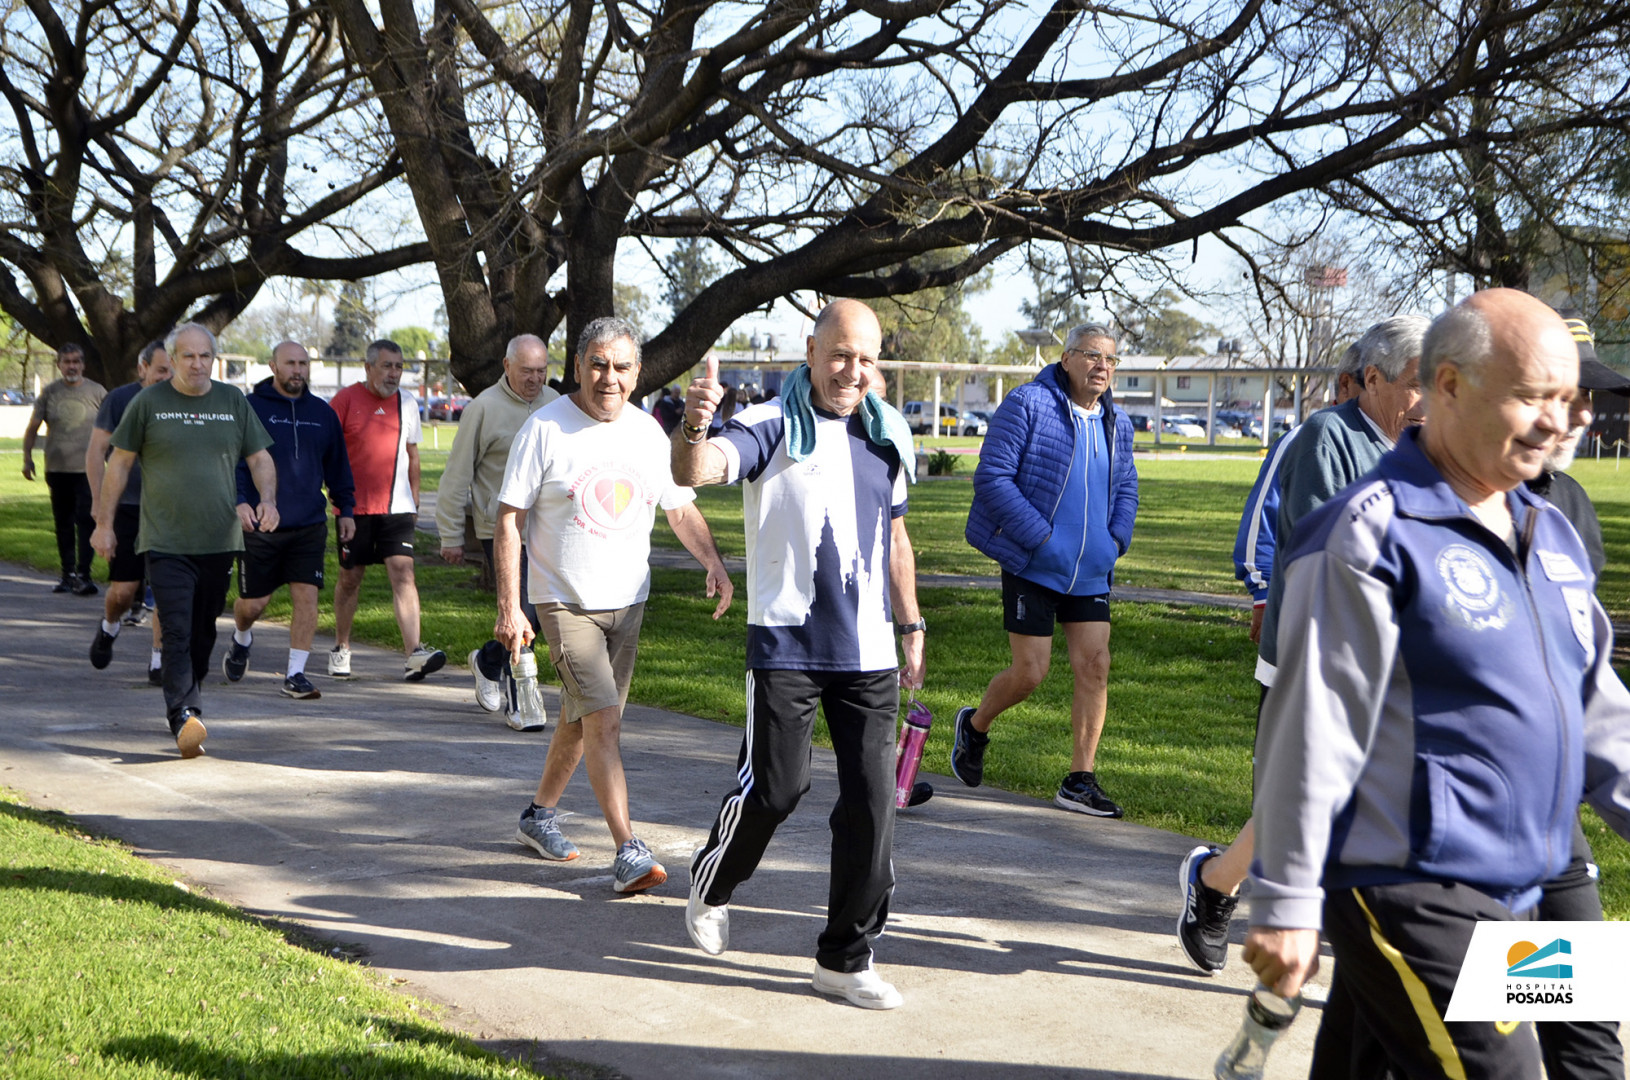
[(1182, 702), (110, 969)]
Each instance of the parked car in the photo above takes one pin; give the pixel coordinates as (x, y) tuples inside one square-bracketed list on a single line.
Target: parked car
[(447, 408), (1141, 423), (1182, 426), (917, 413), (13, 397)]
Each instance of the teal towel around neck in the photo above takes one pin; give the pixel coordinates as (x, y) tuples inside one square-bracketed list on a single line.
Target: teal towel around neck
[(884, 424)]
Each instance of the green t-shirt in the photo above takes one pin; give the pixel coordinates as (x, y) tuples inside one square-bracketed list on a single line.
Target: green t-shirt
[(189, 449), (68, 413)]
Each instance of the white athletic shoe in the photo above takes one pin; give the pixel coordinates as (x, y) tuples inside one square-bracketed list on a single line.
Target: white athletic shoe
[(423, 661), (489, 693), (864, 988), (709, 927), (339, 662)]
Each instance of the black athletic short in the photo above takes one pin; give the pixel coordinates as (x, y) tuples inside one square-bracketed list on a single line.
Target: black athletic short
[(1032, 610), (378, 537), (127, 564), (282, 557)]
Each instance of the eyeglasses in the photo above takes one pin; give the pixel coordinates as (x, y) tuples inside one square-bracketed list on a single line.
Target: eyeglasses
[(1094, 359)]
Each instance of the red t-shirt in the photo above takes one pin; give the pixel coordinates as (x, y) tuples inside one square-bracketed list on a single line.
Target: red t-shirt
[(378, 432)]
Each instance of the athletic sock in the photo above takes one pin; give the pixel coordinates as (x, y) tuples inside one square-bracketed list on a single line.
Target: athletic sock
[(297, 662), (243, 637), (111, 629), (157, 661)]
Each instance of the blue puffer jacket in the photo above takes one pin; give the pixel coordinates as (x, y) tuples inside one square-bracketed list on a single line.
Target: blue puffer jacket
[(1025, 462)]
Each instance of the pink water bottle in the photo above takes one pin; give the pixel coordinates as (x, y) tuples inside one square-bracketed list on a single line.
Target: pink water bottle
[(909, 751)]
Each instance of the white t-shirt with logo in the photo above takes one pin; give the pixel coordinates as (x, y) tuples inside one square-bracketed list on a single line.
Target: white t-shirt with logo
[(591, 491)]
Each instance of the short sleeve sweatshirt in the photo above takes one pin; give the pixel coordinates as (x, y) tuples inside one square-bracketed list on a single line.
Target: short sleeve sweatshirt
[(819, 535), (591, 490)]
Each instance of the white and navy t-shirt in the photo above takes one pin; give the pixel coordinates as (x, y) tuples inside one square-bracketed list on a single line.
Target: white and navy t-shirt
[(818, 542), (591, 491)]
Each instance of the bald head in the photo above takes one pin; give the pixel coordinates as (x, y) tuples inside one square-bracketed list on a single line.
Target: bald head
[(1500, 370), (842, 354), (526, 366)]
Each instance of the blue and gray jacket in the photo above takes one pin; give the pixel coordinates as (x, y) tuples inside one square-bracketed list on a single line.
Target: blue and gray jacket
[(308, 448), (1442, 701), (1256, 542), (1025, 466)]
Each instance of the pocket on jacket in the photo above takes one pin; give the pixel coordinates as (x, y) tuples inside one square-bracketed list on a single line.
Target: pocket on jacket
[(1469, 805)]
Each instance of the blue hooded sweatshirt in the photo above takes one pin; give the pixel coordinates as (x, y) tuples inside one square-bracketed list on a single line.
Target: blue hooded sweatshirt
[(308, 447)]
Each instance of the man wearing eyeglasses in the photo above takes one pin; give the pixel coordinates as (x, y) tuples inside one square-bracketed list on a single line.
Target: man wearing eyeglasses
[(1054, 499)]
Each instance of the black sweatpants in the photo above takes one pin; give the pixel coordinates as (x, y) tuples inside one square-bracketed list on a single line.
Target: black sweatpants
[(772, 774), (71, 515), (1398, 952), (190, 593), (1582, 1049)]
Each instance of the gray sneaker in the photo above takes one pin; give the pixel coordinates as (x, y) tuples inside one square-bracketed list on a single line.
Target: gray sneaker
[(636, 870), (540, 831)]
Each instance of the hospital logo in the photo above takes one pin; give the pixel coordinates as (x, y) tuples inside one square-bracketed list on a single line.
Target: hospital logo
[(1474, 599), (608, 499), (1539, 969)]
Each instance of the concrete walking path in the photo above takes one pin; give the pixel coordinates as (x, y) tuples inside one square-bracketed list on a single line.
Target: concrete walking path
[(1028, 942)]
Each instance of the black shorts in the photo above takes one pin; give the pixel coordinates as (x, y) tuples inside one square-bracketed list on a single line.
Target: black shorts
[(1031, 609), (378, 537), (282, 557), (127, 564)]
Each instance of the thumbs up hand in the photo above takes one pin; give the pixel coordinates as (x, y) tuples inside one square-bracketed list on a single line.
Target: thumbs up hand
[(703, 396)]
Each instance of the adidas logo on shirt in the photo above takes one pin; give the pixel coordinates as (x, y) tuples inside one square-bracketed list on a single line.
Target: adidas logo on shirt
[(380, 411)]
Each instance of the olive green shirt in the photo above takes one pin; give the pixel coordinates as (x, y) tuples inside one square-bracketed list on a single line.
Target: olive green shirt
[(68, 413), (189, 449)]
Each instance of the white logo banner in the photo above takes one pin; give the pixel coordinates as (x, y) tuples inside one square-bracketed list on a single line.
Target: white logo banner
[(1544, 971)]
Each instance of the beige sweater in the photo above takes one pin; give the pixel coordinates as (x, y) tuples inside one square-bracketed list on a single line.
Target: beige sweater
[(475, 465)]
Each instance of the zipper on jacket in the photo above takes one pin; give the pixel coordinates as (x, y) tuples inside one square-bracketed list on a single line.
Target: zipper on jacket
[(1086, 497)]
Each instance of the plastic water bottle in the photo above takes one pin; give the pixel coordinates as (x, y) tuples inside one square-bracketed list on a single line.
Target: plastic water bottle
[(1267, 1016), (909, 751), (528, 700)]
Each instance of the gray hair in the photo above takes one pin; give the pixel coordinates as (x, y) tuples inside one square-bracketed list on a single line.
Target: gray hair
[(171, 338), (72, 348), (608, 328), (148, 351), (1460, 336), (1352, 363), (375, 348), (1391, 344), (1078, 334), (524, 339)]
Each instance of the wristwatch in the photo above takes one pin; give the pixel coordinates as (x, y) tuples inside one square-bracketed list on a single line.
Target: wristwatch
[(918, 627)]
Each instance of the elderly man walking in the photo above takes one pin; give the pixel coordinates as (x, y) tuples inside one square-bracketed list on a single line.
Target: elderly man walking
[(188, 434), (469, 489), (1333, 449), (1444, 696), (382, 432), (587, 474), (127, 570), (829, 565), (308, 449), (67, 407), (1054, 500)]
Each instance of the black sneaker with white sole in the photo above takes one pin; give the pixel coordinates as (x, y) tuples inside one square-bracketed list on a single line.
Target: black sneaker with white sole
[(236, 660), (1080, 792), (968, 748), (1202, 928), (298, 686)]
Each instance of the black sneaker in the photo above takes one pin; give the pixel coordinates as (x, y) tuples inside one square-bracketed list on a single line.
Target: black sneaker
[(968, 749), (298, 686), (1080, 792), (136, 615), (236, 660), (155, 676), (1202, 928), (65, 585), (84, 586), (102, 648)]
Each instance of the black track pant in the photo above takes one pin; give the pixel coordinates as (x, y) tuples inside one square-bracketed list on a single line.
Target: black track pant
[(1581, 1050), (71, 515), (772, 774), (190, 592), (1398, 952)]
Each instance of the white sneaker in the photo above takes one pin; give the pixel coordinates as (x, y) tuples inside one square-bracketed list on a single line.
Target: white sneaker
[(339, 662), (709, 927), (489, 693), (864, 988)]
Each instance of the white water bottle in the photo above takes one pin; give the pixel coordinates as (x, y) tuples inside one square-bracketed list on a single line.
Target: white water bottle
[(1267, 1016), (528, 704)]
